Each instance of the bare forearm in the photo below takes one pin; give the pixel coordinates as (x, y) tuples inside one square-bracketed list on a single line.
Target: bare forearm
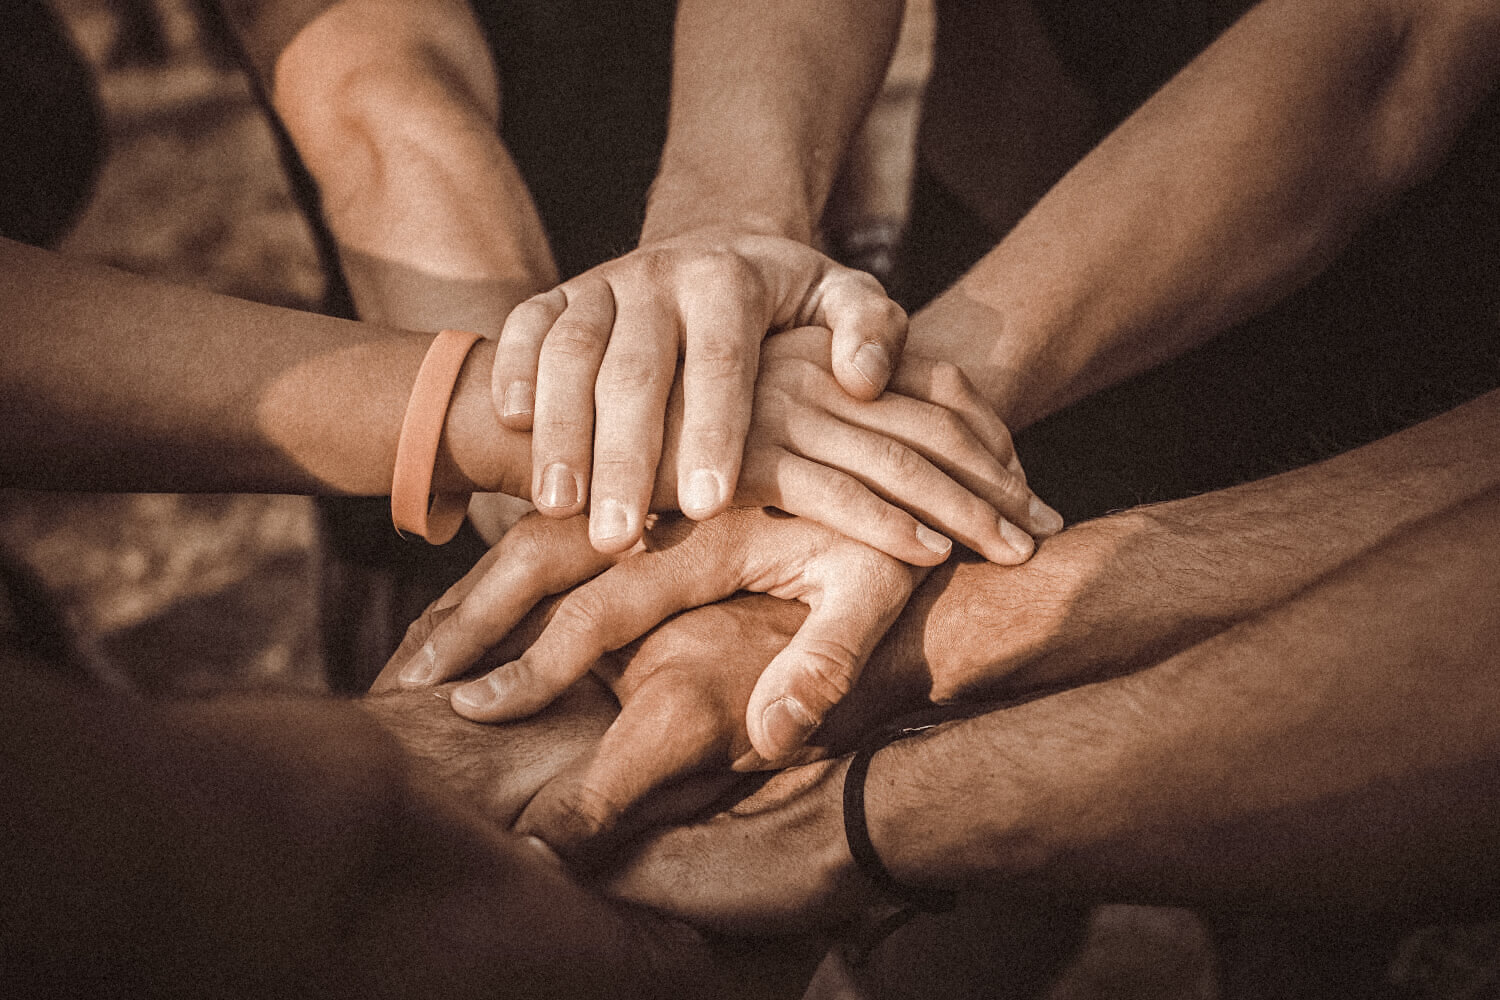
[(1116, 593), (394, 106), (1237, 182), (1342, 748), (765, 99), (117, 382), (261, 846)]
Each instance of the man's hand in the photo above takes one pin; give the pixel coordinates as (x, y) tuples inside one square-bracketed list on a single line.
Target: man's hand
[(776, 862), (853, 592), (683, 691), (588, 367)]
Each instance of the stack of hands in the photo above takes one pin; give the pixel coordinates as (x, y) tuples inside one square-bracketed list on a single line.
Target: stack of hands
[(815, 466)]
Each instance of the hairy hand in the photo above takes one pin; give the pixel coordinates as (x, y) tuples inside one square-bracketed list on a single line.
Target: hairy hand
[(775, 862)]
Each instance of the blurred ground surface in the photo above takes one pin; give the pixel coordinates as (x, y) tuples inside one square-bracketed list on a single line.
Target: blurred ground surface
[(183, 593)]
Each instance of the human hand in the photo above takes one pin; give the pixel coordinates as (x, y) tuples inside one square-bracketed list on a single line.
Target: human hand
[(682, 689), (928, 452), (588, 367), (542, 930), (775, 862), (853, 592)]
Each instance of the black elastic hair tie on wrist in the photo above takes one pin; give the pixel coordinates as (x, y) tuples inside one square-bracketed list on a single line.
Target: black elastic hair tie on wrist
[(857, 833)]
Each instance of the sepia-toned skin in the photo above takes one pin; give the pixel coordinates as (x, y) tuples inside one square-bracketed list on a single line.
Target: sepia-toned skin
[(252, 846), (394, 106), (1099, 600), (1099, 282), (1334, 750)]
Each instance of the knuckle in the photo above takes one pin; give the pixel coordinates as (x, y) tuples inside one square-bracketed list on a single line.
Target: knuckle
[(716, 438), (587, 812), (900, 461), (845, 493), (828, 670), (1012, 493), (574, 340), (881, 313), (628, 371), (539, 310), (656, 266), (582, 613), (949, 381), (948, 427), (527, 544)]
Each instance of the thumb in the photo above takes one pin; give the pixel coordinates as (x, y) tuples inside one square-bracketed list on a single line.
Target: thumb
[(816, 670), (869, 331), (654, 741)]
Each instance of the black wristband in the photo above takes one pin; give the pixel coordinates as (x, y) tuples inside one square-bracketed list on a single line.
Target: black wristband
[(857, 833)]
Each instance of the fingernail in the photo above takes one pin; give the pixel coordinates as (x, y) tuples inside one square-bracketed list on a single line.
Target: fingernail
[(787, 725), (559, 487), (1017, 540), (542, 851), (609, 520), (477, 696), (1047, 520), (873, 363), (702, 491), (933, 541), (420, 667), (519, 398)]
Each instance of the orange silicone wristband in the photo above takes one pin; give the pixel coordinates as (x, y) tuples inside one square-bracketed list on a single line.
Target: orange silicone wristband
[(436, 518)]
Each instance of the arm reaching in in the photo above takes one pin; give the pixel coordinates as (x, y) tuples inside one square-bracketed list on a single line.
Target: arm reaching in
[(114, 382), (1292, 760), (759, 122), (394, 107), (260, 846), (1234, 184)]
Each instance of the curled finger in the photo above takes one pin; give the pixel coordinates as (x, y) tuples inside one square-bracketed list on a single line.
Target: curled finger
[(513, 377), (563, 422)]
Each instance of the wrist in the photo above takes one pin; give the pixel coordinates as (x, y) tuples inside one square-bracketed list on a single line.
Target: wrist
[(681, 204), (1005, 366), (1073, 613)]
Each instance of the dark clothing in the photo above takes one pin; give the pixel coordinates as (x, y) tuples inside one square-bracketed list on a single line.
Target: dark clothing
[(1401, 327), (52, 126)]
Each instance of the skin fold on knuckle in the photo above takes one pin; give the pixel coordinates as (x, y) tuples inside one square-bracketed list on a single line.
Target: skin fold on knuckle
[(536, 314), (632, 371), (573, 341), (825, 672), (572, 818)]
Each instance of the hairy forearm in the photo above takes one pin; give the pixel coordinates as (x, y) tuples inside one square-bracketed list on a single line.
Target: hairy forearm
[(394, 107), (1110, 595), (765, 99), (1342, 748), (114, 382), (1234, 184)]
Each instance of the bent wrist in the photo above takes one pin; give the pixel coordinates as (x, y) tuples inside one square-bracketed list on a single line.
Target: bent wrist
[(1065, 617)]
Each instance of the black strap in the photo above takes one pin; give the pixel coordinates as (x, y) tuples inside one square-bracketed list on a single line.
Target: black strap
[(857, 833)]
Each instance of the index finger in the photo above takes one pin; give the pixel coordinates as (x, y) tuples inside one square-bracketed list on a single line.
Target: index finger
[(613, 609)]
